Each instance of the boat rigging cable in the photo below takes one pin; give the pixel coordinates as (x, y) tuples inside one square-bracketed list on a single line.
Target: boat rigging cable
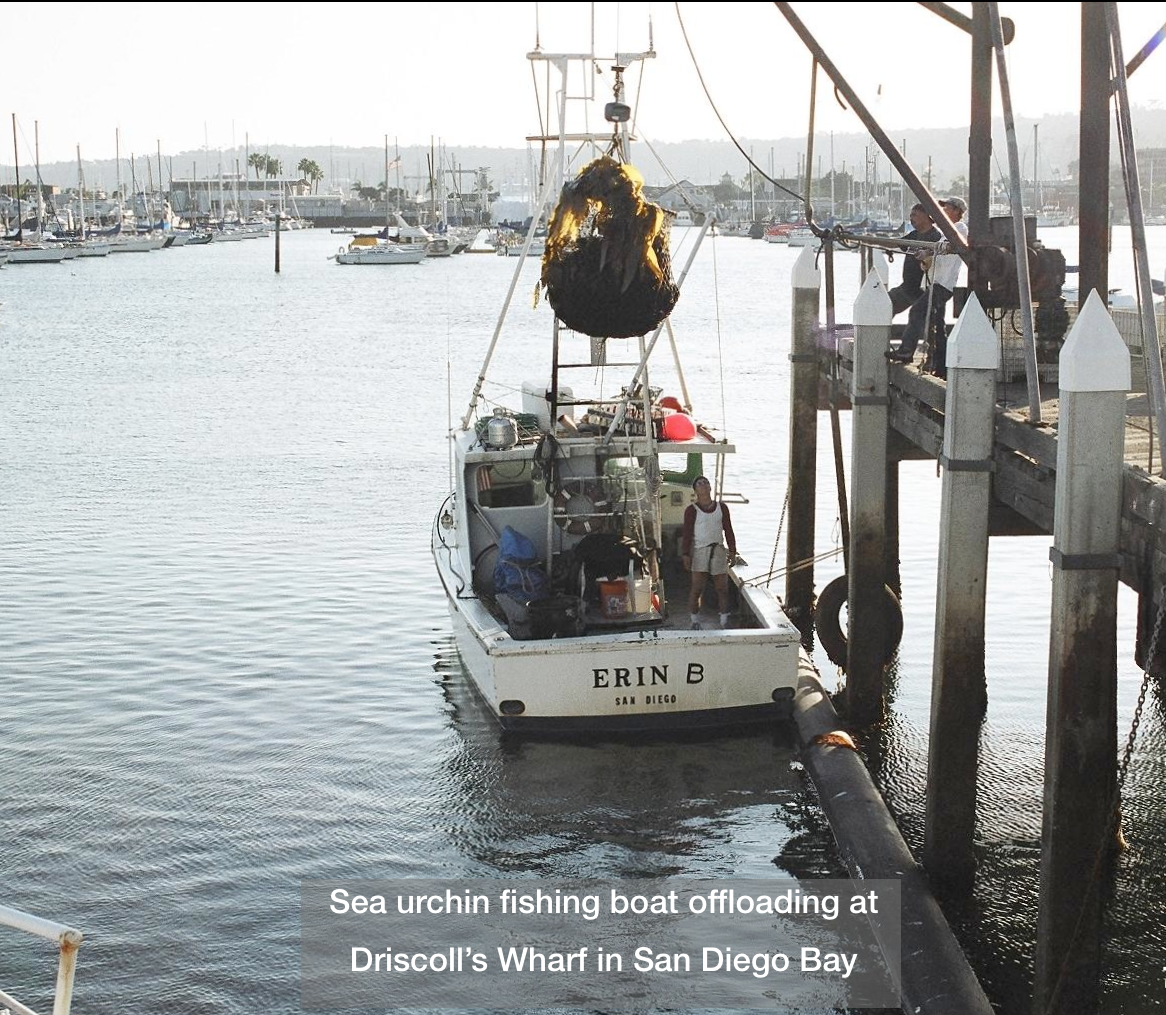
[(1129, 165), (720, 119), (798, 197)]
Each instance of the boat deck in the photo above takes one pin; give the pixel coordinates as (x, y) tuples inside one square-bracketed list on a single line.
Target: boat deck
[(678, 584)]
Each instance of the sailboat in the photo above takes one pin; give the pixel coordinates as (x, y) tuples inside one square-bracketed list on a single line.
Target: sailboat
[(559, 545), (391, 247), (17, 251)]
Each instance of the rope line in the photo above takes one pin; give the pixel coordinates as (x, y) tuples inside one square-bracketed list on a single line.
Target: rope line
[(720, 119)]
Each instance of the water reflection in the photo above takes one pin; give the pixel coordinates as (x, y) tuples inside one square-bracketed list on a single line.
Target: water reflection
[(730, 804)]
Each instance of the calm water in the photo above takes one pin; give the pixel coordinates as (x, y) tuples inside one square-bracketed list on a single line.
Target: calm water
[(225, 664)]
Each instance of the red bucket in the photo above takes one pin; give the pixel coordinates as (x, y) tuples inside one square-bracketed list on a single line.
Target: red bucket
[(613, 599)]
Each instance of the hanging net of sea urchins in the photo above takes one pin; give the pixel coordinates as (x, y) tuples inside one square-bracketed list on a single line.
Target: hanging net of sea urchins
[(606, 268)]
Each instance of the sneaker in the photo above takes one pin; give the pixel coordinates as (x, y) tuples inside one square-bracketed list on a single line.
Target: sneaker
[(724, 620)]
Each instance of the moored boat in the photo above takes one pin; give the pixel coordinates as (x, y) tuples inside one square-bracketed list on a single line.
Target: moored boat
[(373, 250), (559, 546)]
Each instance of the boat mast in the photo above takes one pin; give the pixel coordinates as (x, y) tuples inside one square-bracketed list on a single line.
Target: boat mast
[(386, 188), (432, 184), (752, 192), (40, 194), (1036, 199), (246, 181), (559, 62), (16, 163), (397, 166), (117, 164), (81, 192), (161, 204)]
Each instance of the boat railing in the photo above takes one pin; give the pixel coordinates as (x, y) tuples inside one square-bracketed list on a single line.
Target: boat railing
[(68, 941)]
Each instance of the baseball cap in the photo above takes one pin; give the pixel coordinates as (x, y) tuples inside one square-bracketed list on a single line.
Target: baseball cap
[(956, 202)]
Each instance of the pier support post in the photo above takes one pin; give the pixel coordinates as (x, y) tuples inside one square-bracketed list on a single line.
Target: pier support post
[(958, 692), (803, 441), (277, 231), (1081, 735), (891, 573), (865, 660)]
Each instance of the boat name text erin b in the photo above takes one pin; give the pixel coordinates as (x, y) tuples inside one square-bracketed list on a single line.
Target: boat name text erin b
[(622, 676)]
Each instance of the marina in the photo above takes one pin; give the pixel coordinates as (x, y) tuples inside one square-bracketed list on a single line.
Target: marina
[(255, 682), (277, 620)]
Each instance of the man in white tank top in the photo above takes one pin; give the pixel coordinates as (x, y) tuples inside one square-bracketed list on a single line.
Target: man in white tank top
[(702, 551)]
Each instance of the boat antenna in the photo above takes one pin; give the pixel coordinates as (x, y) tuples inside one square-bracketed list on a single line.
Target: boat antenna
[(617, 113)]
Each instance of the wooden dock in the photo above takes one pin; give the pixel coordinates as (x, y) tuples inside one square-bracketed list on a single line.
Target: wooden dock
[(1025, 465)]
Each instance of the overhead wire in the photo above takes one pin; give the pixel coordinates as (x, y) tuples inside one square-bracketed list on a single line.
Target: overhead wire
[(720, 119)]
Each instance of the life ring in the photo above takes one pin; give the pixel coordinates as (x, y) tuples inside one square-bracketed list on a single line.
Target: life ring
[(827, 622), (577, 513)]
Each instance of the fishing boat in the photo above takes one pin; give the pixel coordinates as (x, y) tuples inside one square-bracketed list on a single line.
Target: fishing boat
[(559, 545)]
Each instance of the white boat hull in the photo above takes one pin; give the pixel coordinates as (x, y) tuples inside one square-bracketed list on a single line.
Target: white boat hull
[(406, 253), (35, 255), (137, 244), (637, 679)]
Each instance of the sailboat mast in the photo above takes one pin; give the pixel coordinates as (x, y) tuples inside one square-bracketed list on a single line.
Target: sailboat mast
[(386, 187), (40, 196), (397, 165), (1036, 201), (16, 162), (245, 180), (161, 204), (432, 186), (134, 190), (81, 191), (117, 163)]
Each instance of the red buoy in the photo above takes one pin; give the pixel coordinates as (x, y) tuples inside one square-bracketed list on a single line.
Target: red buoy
[(679, 427)]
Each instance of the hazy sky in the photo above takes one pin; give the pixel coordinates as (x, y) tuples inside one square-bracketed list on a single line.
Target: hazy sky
[(303, 74)]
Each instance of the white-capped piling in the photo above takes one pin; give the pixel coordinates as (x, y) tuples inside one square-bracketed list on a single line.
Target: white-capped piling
[(865, 658), (803, 439), (1081, 733), (958, 693), (878, 261)]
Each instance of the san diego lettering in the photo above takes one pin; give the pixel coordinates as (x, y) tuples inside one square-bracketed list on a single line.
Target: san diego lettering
[(759, 964)]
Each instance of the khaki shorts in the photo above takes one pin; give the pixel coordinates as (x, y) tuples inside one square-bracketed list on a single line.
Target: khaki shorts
[(712, 559)]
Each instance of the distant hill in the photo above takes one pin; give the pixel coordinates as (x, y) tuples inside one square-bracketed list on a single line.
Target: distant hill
[(699, 161)]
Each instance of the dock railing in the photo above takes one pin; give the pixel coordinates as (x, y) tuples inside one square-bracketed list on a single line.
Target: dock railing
[(68, 941)]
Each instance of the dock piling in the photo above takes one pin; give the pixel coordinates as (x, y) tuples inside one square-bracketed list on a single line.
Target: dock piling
[(1081, 736), (958, 692), (803, 440), (277, 220), (865, 660)]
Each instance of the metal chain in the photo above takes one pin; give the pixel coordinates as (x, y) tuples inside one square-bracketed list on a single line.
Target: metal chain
[(1113, 827), (1151, 653), (777, 538)]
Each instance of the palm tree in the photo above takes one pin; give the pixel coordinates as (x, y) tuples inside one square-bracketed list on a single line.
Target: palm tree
[(305, 168), (257, 161), (273, 167), (316, 177)]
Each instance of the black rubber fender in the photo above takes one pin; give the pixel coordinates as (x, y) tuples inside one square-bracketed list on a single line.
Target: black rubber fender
[(828, 625)]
